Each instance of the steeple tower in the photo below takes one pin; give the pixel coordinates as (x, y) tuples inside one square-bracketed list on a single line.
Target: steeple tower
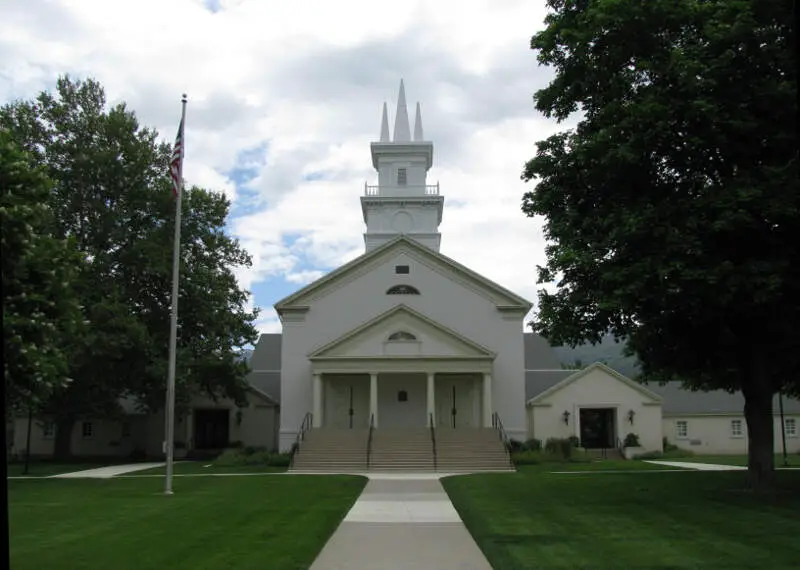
[(402, 202)]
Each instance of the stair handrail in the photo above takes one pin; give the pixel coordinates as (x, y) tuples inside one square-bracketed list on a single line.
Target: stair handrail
[(369, 438), (305, 425), (433, 441), (498, 425)]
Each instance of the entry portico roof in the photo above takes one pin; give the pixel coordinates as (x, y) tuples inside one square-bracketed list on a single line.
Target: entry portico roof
[(434, 340), (652, 396)]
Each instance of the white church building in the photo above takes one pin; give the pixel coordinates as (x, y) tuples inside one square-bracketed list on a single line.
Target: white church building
[(404, 357)]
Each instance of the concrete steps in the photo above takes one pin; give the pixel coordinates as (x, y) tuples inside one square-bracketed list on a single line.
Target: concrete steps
[(401, 450), (471, 449), (457, 450), (332, 451)]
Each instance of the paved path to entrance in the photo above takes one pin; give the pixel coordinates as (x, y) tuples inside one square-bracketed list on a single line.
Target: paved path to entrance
[(698, 466), (402, 522), (107, 472)]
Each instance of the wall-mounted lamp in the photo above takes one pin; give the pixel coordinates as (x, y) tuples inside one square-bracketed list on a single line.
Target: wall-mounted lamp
[(631, 415), (566, 417)]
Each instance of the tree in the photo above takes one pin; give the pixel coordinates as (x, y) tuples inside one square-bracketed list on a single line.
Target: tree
[(112, 195), (672, 207), (40, 309)]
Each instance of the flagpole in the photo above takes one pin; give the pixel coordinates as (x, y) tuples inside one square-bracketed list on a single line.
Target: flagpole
[(173, 325)]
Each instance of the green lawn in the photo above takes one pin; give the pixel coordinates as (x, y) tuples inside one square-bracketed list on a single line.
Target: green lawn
[(210, 523), (794, 459), (199, 467), (679, 520)]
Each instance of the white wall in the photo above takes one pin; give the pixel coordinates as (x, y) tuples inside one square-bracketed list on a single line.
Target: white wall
[(106, 439), (258, 428), (454, 306), (597, 389), (712, 434)]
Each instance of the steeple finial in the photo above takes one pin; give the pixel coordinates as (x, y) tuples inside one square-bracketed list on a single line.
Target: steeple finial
[(402, 132), (418, 136), (385, 125)]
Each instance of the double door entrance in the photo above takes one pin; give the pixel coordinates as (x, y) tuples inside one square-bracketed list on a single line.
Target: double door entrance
[(402, 401), (347, 402), (597, 426), (457, 405)]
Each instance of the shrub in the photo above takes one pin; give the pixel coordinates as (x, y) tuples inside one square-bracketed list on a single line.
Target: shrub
[(257, 456), (575, 441), (514, 446), (669, 446), (526, 458), (631, 440), (560, 446), (280, 459), (532, 445)]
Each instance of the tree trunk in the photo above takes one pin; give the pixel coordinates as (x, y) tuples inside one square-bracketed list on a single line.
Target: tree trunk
[(63, 440), (758, 396)]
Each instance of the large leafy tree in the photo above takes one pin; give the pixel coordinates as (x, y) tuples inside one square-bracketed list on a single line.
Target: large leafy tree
[(40, 308), (672, 207), (112, 195)]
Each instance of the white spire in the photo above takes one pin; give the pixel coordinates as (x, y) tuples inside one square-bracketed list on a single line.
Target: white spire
[(385, 125), (418, 136), (402, 132)]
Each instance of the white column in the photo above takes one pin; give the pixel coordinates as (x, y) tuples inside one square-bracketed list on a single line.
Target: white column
[(487, 399), (317, 409), (373, 397), (431, 400)]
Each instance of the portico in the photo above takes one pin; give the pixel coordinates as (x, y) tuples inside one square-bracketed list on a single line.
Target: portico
[(400, 394)]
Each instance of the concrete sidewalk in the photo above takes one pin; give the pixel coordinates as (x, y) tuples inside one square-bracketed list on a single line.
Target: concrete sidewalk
[(698, 466), (401, 522), (107, 472)]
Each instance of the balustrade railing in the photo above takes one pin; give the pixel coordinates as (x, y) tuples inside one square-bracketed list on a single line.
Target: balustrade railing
[(413, 190)]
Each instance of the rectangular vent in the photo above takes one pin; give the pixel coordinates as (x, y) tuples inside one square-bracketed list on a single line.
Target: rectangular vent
[(401, 269)]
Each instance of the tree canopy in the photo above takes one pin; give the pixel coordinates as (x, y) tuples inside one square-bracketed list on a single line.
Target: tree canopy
[(40, 310), (111, 195), (672, 208)]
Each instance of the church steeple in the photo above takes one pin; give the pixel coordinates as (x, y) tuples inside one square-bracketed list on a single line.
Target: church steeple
[(385, 125), (402, 202), (402, 132), (418, 136)]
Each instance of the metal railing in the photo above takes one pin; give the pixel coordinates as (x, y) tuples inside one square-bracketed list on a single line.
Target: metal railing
[(498, 425), (369, 438), (308, 421), (433, 442), (427, 189)]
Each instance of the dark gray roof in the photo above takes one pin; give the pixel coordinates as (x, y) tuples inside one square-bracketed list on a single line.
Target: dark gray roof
[(267, 353), (265, 365), (680, 401), (267, 382), (539, 355), (537, 381)]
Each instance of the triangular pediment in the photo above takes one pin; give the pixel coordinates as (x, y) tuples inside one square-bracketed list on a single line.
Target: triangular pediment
[(650, 397), (504, 299), (401, 332)]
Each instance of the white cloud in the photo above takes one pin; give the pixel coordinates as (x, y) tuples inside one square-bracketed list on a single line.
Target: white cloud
[(306, 81)]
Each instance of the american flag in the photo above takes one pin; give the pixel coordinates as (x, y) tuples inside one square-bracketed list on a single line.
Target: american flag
[(176, 164)]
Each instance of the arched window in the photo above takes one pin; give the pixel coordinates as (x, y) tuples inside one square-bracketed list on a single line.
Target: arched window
[(402, 290), (402, 335)]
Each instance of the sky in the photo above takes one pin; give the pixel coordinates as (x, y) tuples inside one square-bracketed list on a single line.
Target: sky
[(284, 99)]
